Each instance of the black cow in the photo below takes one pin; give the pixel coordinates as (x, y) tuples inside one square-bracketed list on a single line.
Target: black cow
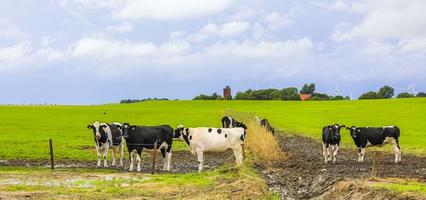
[(331, 141), (265, 123), (106, 135), (375, 136), (140, 137), (229, 122)]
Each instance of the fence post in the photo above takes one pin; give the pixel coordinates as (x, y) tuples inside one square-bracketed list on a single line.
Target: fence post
[(153, 157), (52, 164)]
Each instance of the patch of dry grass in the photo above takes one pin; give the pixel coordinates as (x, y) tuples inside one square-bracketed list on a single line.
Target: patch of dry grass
[(261, 143)]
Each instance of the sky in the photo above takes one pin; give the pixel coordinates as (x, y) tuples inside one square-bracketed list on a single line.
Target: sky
[(102, 51)]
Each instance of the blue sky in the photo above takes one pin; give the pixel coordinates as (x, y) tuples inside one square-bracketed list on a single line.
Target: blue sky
[(100, 51)]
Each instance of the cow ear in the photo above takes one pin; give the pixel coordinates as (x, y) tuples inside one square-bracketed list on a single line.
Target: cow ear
[(90, 126), (348, 128)]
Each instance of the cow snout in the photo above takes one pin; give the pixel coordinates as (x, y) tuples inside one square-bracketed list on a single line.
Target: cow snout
[(98, 136)]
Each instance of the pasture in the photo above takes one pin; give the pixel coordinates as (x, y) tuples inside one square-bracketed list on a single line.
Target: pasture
[(26, 129)]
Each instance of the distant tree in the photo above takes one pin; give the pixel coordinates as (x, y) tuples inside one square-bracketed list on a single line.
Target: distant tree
[(308, 89), (338, 97), (290, 93), (214, 96), (370, 95), (421, 94), (319, 97), (405, 95), (386, 92)]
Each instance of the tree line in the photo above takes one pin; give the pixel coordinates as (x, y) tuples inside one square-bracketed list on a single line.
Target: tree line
[(293, 94), (140, 100)]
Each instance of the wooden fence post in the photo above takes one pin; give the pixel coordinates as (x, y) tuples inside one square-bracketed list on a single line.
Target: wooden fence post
[(52, 164), (153, 157)]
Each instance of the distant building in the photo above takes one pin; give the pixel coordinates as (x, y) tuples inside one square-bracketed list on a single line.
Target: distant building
[(227, 93), (304, 97)]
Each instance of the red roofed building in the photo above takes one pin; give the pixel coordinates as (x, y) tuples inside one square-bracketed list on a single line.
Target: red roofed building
[(304, 97)]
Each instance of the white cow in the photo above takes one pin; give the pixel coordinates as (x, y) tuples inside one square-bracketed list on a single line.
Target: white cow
[(106, 135), (202, 140)]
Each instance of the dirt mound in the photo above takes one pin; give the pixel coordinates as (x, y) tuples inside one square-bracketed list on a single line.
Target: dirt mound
[(304, 175), (358, 190), (182, 162)]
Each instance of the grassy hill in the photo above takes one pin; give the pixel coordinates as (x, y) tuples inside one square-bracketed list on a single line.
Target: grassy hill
[(25, 130)]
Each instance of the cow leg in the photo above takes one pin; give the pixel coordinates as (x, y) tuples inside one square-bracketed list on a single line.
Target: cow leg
[(329, 152), (168, 158), (121, 154), (362, 154), (139, 159), (98, 152), (114, 151), (399, 149), (238, 153), (163, 153), (200, 158), (106, 148), (324, 152), (336, 149), (396, 151), (132, 159)]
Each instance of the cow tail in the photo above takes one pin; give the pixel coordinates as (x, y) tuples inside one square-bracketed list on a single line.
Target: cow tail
[(397, 137)]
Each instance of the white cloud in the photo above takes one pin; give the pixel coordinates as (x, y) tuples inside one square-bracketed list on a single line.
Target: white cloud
[(249, 49), (343, 6), (103, 48), (170, 9), (276, 21), (387, 26), (8, 31), (121, 28), (15, 52), (229, 29), (92, 4)]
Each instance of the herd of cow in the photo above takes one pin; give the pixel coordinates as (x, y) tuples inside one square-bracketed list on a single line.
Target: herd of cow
[(231, 136), (200, 140)]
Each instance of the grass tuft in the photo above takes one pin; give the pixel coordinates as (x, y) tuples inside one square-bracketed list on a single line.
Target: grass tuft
[(259, 141)]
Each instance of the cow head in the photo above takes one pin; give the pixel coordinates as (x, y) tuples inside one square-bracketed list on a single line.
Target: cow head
[(180, 131), (97, 129), (337, 128), (127, 130), (354, 131)]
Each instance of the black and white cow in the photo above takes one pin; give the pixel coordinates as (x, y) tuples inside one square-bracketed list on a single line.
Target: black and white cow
[(265, 123), (331, 141), (229, 122), (375, 136), (202, 140), (105, 136), (140, 137)]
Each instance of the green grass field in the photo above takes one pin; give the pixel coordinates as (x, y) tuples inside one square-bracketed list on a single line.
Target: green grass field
[(26, 129)]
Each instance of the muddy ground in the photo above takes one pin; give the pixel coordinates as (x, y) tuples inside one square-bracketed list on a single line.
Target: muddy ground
[(304, 175), (182, 162), (301, 175)]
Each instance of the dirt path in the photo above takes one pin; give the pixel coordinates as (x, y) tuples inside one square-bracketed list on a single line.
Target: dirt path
[(182, 162), (304, 175)]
